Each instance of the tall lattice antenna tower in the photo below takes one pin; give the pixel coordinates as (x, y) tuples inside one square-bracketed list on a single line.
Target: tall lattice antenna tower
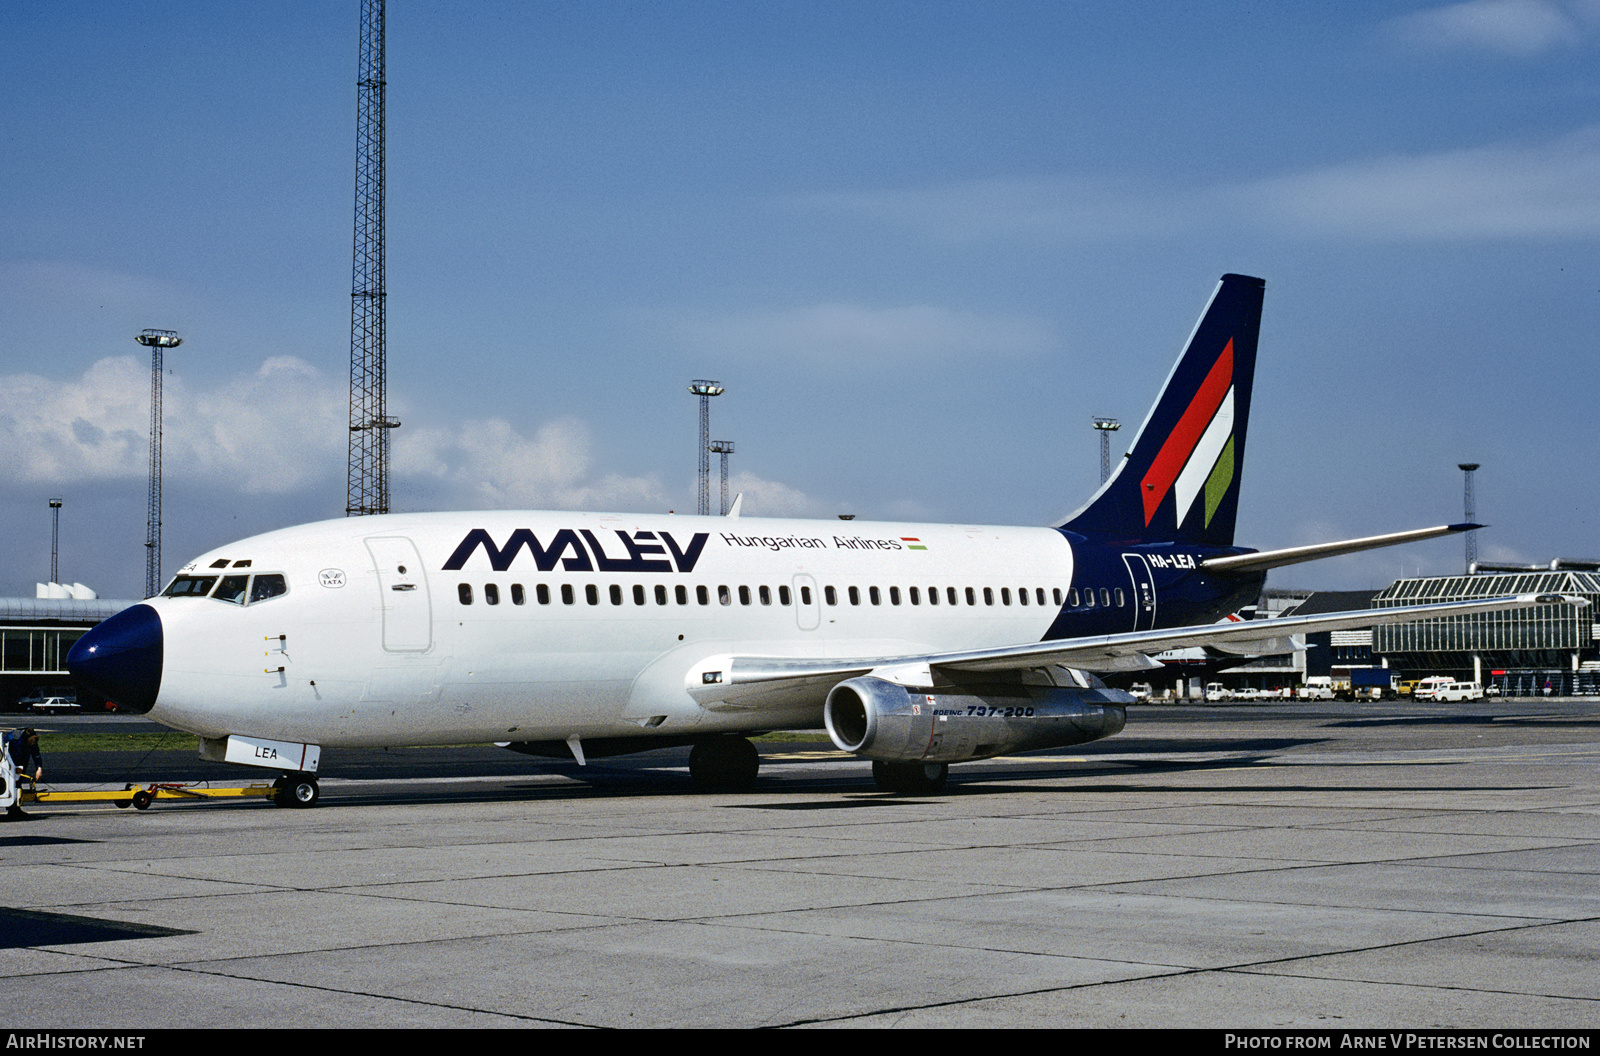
[(157, 341), (705, 390), (368, 489), (1468, 504)]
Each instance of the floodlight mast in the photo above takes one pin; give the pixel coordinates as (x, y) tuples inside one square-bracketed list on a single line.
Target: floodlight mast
[(705, 389), (1467, 503), (723, 448), (1105, 427), (55, 539), (157, 341)]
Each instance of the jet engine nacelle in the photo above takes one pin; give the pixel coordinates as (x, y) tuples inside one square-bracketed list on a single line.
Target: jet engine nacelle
[(879, 719)]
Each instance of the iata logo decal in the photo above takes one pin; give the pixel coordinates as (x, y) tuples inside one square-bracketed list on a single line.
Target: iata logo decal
[(332, 578), (581, 551)]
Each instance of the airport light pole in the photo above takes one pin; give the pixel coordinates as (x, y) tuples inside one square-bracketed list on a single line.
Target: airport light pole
[(723, 448), (157, 341), (1105, 427), (55, 538), (1468, 468), (705, 389)]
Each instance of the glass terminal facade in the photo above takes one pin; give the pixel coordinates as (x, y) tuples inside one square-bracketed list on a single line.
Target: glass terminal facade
[(1518, 650)]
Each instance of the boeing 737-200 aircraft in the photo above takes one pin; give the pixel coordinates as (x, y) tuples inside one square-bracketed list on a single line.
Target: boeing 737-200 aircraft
[(915, 645)]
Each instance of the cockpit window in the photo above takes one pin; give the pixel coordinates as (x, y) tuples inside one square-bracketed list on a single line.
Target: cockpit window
[(232, 589), (190, 586), (268, 585)]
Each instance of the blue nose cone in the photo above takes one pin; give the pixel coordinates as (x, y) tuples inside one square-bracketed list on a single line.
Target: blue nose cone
[(121, 658)]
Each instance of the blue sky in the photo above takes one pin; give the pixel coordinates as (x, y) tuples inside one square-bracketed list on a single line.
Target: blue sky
[(922, 244)]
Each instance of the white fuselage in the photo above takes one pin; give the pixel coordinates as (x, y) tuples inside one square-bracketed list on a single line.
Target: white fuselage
[(400, 629)]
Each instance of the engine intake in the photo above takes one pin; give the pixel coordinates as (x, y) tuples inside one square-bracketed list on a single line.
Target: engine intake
[(879, 719)]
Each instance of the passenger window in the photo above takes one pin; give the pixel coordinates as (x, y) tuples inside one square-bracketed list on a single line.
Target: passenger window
[(638, 594), (988, 595), (517, 597), (491, 594), (783, 595), (682, 594), (1088, 598), (933, 595), (232, 589), (765, 594), (591, 593), (1040, 594), (1105, 597), (1022, 596), (267, 586), (894, 595), (830, 595), (566, 594), (616, 594), (855, 595), (744, 595), (872, 593), (971, 598), (1120, 600), (950, 595), (661, 594), (702, 595), (805, 595), (916, 595), (1055, 592), (464, 592), (724, 596), (542, 592)]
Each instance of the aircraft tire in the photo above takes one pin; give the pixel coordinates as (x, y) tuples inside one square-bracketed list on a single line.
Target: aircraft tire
[(724, 764), (912, 779), (297, 790)]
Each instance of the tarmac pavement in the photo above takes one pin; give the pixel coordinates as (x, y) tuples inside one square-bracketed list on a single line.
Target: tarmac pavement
[(1313, 866)]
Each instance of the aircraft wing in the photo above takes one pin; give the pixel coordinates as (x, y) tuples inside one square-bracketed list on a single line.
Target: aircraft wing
[(745, 682)]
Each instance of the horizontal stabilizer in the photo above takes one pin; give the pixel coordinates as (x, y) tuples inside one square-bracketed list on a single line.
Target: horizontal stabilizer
[(1265, 559)]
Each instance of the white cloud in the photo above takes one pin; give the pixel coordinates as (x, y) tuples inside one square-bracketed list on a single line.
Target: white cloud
[(267, 432), (74, 287), (856, 334), (283, 428), (1547, 190), (1521, 28), (1042, 209), (488, 463), (1542, 190), (769, 498)]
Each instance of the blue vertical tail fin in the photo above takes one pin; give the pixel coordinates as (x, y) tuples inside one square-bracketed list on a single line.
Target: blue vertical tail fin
[(1180, 480)]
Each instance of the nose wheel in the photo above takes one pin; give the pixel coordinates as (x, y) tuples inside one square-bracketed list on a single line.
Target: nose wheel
[(723, 764), (296, 790)]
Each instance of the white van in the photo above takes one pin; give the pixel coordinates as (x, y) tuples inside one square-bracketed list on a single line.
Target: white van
[(1448, 689)]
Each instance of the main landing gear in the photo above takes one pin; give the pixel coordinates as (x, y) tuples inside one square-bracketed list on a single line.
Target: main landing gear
[(295, 790), (917, 779), (723, 764)]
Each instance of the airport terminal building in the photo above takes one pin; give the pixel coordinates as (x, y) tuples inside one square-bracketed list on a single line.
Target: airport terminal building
[(1519, 651)]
